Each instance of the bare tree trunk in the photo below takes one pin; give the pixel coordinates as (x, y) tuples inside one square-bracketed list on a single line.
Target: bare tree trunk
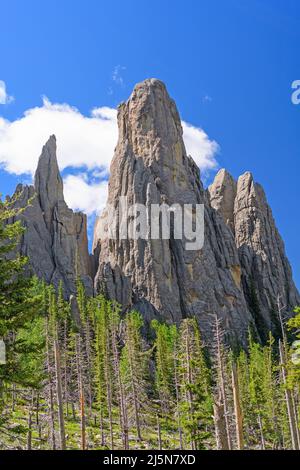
[(82, 419), (222, 379), (237, 409), (135, 398), (280, 309), (13, 397), (59, 396), (262, 437), (37, 409), (50, 396), (65, 367), (220, 426), (177, 400), (121, 395), (159, 434), (101, 424), (29, 424), (108, 390), (81, 393), (189, 392), (296, 419), (288, 399), (110, 415), (87, 335)]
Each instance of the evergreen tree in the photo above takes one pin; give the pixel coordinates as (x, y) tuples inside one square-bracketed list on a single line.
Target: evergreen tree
[(195, 397), (20, 301), (134, 364), (164, 361), (103, 365)]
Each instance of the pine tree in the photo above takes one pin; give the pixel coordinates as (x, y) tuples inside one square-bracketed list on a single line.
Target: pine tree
[(100, 348), (220, 360), (19, 301), (134, 362), (195, 399), (164, 361), (86, 341), (114, 320)]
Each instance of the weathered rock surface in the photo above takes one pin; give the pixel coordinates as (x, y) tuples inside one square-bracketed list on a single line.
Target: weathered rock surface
[(238, 274), (160, 277), (266, 273), (222, 196), (55, 239)]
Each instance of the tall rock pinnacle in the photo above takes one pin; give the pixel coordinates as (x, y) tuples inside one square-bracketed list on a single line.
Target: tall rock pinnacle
[(241, 273), (222, 196), (55, 239), (267, 276), (48, 182), (266, 273), (160, 277)]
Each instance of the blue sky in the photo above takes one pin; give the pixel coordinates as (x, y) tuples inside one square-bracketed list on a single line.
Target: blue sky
[(228, 64)]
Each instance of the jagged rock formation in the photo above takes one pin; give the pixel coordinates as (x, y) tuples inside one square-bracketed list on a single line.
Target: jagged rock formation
[(222, 196), (266, 272), (238, 274), (55, 239), (160, 277)]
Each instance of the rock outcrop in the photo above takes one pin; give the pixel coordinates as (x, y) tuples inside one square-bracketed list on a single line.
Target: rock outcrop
[(222, 196), (160, 277), (55, 239), (266, 276), (241, 271)]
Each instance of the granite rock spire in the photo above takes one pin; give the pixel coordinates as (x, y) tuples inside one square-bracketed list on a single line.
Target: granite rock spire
[(160, 277), (55, 239)]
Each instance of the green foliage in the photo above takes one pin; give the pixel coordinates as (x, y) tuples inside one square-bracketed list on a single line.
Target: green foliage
[(257, 314), (20, 299), (195, 399), (134, 370), (165, 343), (125, 389), (294, 363), (294, 323)]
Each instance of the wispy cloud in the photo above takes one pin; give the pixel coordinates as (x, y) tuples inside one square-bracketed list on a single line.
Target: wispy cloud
[(4, 97), (206, 99), (117, 75)]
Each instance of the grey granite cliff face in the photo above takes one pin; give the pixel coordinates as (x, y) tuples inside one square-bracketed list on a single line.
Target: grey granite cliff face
[(160, 277), (238, 274), (55, 239), (266, 273), (222, 196)]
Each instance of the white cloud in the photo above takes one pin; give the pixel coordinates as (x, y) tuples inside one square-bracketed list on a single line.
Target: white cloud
[(82, 142), (200, 147), (4, 97), (84, 196)]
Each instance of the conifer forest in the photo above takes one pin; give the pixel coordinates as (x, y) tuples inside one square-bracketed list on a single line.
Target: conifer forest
[(80, 374)]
